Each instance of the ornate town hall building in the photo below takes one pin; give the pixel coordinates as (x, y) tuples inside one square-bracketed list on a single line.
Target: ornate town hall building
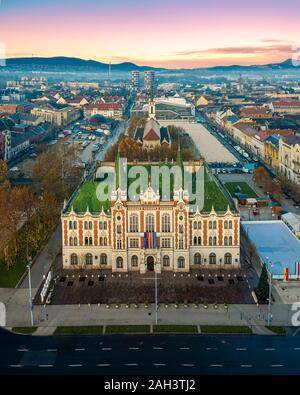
[(150, 233)]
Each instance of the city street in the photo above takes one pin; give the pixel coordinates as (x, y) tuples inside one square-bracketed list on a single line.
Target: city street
[(149, 354)]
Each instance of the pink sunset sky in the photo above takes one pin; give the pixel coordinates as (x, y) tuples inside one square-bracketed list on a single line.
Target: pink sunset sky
[(167, 33)]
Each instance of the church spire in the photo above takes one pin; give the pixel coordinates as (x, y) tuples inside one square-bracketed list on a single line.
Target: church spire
[(151, 110)]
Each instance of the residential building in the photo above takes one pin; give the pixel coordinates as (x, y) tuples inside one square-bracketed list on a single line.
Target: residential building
[(289, 158), (57, 116), (135, 79), (149, 80)]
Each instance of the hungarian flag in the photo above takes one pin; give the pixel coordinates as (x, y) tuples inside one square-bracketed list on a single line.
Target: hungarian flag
[(286, 274)]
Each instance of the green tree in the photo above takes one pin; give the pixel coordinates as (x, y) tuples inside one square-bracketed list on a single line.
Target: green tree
[(262, 290)]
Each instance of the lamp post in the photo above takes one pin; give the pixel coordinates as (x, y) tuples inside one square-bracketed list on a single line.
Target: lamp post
[(270, 289), (30, 291), (156, 304)]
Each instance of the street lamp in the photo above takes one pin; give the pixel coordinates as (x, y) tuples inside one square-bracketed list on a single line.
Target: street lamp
[(269, 265), (30, 291)]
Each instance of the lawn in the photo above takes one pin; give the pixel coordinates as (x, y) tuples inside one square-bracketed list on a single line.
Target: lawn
[(244, 189), (78, 330), (175, 328), (26, 330), (225, 329), (279, 330), (9, 278), (127, 329)]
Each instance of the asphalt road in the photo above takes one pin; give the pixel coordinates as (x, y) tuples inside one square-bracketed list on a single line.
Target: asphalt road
[(149, 354)]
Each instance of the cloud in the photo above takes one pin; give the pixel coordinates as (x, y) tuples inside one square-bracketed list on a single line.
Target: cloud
[(248, 50)]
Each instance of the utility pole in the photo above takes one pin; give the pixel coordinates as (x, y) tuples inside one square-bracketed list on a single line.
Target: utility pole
[(30, 292), (270, 291)]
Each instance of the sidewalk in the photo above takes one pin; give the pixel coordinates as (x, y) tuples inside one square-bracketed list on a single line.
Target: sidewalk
[(44, 260), (18, 314)]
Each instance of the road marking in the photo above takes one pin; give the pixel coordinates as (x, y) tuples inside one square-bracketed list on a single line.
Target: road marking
[(216, 366), (131, 364), (157, 348), (133, 348), (16, 366), (79, 349), (210, 349), (75, 365), (23, 349), (269, 349), (241, 349), (159, 364), (45, 366), (187, 364), (106, 348), (276, 366), (246, 366), (184, 348), (52, 350), (103, 364)]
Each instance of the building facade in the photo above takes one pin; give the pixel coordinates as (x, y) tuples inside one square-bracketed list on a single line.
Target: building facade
[(149, 233)]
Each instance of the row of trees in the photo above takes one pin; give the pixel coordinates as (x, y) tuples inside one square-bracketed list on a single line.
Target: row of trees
[(29, 215)]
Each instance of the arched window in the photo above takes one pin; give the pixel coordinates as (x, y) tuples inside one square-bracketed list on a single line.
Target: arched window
[(181, 262), (75, 241), (74, 259), (215, 225), (210, 241), (74, 225), (86, 225), (212, 258), (210, 225), (228, 258), (134, 223), (166, 223), (100, 225), (104, 225), (230, 225), (214, 241), (149, 223), (225, 225), (180, 228), (195, 225), (197, 259), (89, 259), (90, 225), (103, 259), (105, 241), (86, 241), (101, 241), (71, 241), (199, 225), (195, 240), (225, 241), (70, 225), (199, 241), (166, 260), (230, 241), (119, 229), (90, 241), (119, 262), (134, 261)]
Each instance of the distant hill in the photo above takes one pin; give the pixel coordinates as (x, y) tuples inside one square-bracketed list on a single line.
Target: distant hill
[(61, 63), (68, 64)]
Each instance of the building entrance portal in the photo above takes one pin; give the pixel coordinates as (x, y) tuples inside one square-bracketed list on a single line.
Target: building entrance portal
[(150, 263)]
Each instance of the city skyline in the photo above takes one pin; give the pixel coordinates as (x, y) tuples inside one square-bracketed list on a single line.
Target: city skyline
[(172, 34)]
